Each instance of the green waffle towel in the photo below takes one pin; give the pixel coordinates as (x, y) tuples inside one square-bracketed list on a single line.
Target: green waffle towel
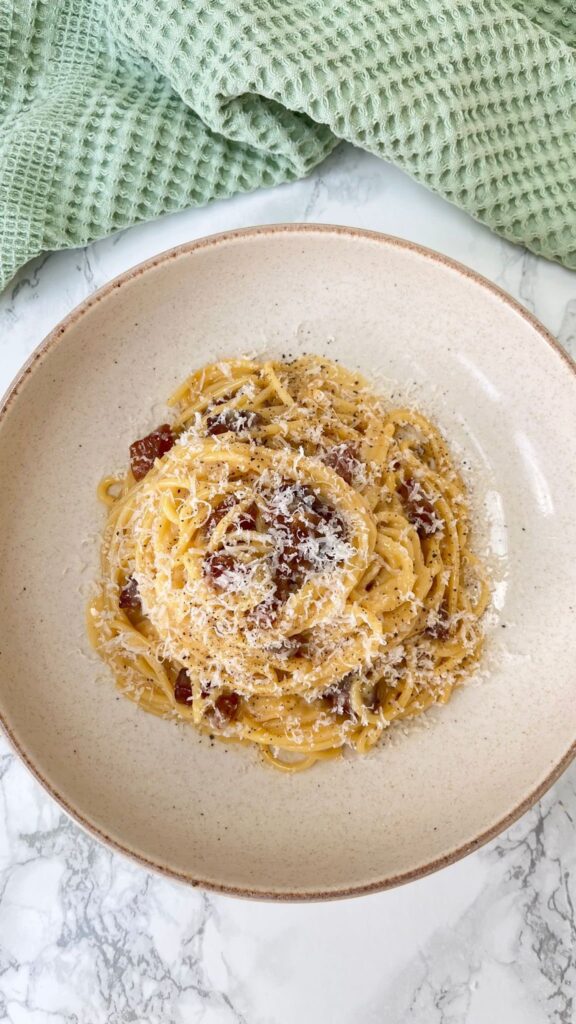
[(115, 111)]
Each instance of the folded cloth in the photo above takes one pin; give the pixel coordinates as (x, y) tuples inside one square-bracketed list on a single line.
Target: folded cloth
[(116, 111)]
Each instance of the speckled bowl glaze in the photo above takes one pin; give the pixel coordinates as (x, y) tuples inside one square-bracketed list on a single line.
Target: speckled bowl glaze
[(505, 396)]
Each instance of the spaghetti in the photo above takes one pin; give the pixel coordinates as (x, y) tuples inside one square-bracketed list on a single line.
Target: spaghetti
[(288, 563)]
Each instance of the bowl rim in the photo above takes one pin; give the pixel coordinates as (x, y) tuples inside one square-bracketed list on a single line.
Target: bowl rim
[(11, 394)]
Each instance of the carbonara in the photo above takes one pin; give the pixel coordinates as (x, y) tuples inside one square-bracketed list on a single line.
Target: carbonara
[(287, 562)]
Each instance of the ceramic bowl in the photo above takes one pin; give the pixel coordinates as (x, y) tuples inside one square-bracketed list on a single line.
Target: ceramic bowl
[(415, 323)]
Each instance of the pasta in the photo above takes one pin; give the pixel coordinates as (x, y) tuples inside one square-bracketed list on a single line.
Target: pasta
[(288, 563)]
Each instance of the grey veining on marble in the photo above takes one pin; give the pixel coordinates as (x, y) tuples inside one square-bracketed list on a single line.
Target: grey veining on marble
[(87, 937)]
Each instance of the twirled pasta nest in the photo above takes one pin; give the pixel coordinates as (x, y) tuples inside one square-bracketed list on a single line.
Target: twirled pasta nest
[(288, 563)]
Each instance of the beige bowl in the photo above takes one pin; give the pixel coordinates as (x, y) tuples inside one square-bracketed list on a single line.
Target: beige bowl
[(505, 396)]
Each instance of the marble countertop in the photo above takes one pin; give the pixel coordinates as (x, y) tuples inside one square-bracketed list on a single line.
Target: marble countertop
[(87, 937)]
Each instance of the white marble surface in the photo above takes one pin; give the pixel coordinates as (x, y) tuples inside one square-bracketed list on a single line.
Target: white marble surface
[(87, 937)]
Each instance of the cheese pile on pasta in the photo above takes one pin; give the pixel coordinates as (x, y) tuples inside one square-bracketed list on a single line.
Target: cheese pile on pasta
[(287, 563)]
